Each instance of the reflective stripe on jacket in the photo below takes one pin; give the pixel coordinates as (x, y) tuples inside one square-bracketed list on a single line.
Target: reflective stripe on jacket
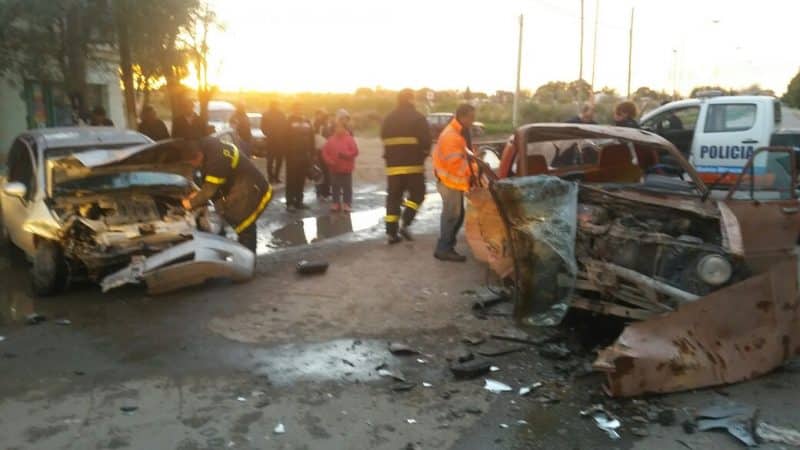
[(450, 163)]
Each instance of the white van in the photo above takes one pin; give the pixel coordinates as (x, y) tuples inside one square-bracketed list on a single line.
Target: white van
[(718, 135)]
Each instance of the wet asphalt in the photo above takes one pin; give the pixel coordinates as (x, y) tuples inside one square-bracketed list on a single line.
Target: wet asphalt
[(111, 341)]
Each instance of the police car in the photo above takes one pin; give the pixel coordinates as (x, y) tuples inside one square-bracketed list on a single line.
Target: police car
[(717, 134)]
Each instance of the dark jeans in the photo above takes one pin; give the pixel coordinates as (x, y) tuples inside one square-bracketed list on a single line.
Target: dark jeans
[(249, 238), (296, 172), (452, 217), (342, 187), (274, 163), (324, 186)]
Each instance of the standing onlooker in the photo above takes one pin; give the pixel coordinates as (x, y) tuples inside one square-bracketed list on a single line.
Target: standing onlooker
[(99, 118), (241, 124), (187, 125), (625, 115), (339, 154), (323, 130), (406, 144), (274, 126), (586, 116), (299, 155), (454, 173), (151, 126)]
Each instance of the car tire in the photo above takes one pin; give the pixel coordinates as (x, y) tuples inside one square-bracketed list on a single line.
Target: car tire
[(49, 270)]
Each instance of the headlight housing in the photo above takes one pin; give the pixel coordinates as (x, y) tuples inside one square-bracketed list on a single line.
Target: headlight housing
[(715, 270)]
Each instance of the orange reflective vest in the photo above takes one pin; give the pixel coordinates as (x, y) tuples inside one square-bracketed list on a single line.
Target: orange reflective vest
[(450, 165)]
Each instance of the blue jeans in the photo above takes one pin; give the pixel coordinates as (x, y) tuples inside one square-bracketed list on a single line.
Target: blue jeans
[(452, 217)]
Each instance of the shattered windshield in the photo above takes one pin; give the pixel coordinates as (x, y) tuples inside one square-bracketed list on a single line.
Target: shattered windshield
[(125, 180)]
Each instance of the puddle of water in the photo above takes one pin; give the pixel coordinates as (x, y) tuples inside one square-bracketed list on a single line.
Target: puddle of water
[(313, 229), (343, 359)]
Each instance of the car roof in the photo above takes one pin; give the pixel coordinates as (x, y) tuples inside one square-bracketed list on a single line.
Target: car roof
[(61, 137)]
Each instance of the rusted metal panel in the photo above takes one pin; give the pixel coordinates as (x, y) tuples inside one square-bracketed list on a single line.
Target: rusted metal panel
[(486, 233), (731, 335)]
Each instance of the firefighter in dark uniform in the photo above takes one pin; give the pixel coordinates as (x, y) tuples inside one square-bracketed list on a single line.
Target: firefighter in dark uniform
[(299, 157), (406, 142), (238, 189)]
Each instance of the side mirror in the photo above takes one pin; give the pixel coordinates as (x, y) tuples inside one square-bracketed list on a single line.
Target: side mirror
[(15, 189)]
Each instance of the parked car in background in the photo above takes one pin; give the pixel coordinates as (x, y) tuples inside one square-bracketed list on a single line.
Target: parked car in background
[(83, 202), (259, 144), (718, 135), (437, 122), (219, 114)]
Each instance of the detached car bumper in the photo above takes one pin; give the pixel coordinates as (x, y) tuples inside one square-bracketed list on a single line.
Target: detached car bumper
[(190, 263)]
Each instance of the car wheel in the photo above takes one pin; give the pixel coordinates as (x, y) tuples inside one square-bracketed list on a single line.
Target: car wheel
[(49, 271)]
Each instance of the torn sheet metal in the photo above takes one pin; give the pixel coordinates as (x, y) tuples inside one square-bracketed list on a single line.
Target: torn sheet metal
[(737, 333), (486, 233), (192, 262), (541, 215)]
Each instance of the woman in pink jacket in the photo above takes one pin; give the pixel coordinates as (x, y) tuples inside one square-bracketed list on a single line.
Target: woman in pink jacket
[(340, 154)]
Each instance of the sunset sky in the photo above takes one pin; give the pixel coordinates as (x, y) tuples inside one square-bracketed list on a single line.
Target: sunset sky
[(337, 46)]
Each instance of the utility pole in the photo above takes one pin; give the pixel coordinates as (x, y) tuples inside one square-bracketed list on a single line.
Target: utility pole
[(630, 53), (515, 107), (580, 70), (594, 39)]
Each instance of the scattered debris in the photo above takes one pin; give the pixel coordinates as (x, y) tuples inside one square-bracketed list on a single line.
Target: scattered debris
[(503, 425), (348, 362), (241, 399), (522, 422), (525, 390), (411, 421), (34, 319), (311, 268), (2, 338), (778, 435), (129, 409), (494, 369), (388, 373), (473, 340), (555, 351), (495, 386), (607, 423), (473, 410), (426, 384), (63, 322), (279, 428), (499, 350), (736, 419), (398, 348), (471, 368), (421, 361), (402, 387)]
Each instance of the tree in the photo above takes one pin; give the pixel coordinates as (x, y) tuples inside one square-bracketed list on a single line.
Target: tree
[(792, 95), (54, 40), (196, 44), (155, 27)]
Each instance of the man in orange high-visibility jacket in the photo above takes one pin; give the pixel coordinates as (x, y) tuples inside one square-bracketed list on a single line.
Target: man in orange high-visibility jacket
[(455, 175)]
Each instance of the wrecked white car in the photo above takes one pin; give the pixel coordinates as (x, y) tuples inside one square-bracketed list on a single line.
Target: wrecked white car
[(87, 203)]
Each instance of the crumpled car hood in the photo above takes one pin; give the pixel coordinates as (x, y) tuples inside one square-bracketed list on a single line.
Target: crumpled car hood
[(165, 156)]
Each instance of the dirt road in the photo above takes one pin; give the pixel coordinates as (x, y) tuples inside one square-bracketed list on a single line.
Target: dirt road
[(230, 366)]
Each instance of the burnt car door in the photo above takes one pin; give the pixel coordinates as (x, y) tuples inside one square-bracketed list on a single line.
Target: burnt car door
[(765, 204)]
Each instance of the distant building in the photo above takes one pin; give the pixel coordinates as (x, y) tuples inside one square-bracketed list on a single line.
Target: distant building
[(503, 97), (26, 104)]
